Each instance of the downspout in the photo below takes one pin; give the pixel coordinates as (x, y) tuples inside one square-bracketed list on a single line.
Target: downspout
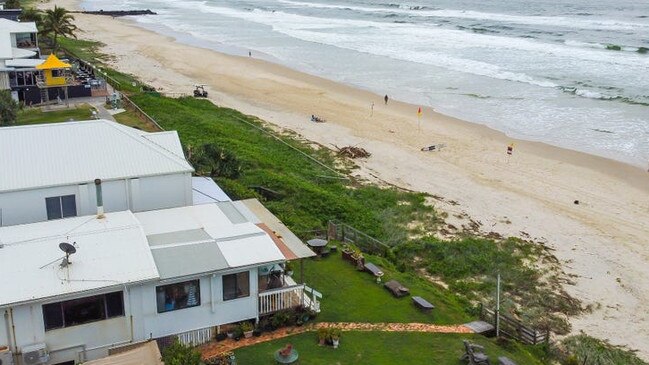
[(10, 313), (8, 327)]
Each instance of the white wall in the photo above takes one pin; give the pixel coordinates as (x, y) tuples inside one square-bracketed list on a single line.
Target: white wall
[(213, 311), (140, 194), (140, 322), (83, 342)]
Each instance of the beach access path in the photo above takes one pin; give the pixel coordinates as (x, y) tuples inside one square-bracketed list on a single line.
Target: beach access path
[(601, 242)]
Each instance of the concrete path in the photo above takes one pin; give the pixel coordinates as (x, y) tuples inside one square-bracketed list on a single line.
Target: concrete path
[(214, 348)]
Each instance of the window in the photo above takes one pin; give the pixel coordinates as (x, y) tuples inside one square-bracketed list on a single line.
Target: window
[(178, 296), (236, 285), (61, 207), (79, 311)]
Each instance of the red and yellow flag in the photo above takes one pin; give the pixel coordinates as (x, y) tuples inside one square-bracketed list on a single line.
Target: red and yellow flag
[(419, 112)]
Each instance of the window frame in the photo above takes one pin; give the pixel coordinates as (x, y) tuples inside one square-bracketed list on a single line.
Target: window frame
[(163, 289), (61, 306), (61, 211), (236, 282)]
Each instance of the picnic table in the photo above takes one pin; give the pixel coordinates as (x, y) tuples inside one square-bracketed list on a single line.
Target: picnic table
[(317, 244), (396, 288)]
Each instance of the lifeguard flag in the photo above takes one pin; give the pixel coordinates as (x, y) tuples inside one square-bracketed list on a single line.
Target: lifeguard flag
[(419, 112)]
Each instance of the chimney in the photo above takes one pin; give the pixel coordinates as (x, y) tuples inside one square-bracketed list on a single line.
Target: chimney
[(100, 199)]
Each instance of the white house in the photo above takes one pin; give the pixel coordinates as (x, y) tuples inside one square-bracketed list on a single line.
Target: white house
[(147, 265), (48, 171), (136, 276), (18, 48)]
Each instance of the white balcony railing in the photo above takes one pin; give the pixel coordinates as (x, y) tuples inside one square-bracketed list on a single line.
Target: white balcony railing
[(282, 298)]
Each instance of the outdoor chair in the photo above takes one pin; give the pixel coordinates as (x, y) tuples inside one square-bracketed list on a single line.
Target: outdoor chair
[(396, 288), (474, 357), (423, 304), (502, 360)]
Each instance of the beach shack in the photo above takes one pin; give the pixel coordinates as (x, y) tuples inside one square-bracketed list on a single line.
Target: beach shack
[(54, 74)]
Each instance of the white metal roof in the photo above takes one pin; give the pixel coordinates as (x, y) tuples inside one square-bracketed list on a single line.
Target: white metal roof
[(262, 215), (43, 155), (206, 191), (10, 26), (182, 238), (110, 252)]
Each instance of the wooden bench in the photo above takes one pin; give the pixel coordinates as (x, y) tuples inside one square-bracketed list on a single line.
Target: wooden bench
[(422, 304), (373, 269)]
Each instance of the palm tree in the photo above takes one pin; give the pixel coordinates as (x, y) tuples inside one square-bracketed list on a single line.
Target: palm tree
[(32, 15), (12, 4), (56, 22)]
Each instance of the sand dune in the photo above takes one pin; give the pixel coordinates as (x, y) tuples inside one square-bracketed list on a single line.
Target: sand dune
[(603, 240)]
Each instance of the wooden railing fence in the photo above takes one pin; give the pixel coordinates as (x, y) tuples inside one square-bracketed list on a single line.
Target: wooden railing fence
[(514, 328), (346, 233)]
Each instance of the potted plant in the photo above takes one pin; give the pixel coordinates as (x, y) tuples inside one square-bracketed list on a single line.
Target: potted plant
[(335, 337), (238, 333), (323, 333), (288, 269), (221, 336), (347, 253), (246, 328)]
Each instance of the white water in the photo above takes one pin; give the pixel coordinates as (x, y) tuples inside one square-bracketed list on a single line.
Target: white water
[(535, 70)]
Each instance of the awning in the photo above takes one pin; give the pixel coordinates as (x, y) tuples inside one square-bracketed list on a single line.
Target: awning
[(28, 62), (52, 62), (287, 242)]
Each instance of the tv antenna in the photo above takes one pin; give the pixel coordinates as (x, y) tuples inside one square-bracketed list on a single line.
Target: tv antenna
[(69, 249)]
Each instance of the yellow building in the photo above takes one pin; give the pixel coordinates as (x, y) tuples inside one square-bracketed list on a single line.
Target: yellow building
[(55, 72)]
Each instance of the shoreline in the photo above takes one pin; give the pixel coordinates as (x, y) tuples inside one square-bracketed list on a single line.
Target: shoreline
[(601, 242)]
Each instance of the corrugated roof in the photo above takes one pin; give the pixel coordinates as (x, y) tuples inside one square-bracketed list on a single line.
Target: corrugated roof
[(78, 152), (184, 260), (146, 354), (110, 252), (202, 238), (263, 215)]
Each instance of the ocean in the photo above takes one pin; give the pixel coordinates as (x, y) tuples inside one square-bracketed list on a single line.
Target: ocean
[(571, 73)]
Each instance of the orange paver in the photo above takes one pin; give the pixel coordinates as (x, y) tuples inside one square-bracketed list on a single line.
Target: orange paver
[(214, 348)]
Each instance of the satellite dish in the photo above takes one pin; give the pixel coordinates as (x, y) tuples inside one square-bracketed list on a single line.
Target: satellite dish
[(69, 249)]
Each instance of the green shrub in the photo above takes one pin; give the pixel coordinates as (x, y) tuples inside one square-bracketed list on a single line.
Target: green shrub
[(179, 354)]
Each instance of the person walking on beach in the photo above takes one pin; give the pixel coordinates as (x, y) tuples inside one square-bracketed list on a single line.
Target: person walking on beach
[(249, 54), (372, 109), (386, 99)]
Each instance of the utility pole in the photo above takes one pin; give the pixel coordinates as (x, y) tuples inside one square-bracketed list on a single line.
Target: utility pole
[(498, 307)]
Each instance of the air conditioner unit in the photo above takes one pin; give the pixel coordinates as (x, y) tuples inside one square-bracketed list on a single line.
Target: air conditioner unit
[(6, 356), (35, 354)]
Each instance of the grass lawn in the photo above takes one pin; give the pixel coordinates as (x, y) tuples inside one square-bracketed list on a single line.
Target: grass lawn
[(353, 296), (377, 348), (131, 119), (37, 116)]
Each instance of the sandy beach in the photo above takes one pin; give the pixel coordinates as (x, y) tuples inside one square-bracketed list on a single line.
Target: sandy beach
[(601, 241)]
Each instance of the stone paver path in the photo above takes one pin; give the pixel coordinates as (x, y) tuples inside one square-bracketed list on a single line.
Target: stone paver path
[(214, 348)]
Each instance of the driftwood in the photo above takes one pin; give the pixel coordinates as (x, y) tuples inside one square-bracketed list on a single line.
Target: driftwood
[(353, 152)]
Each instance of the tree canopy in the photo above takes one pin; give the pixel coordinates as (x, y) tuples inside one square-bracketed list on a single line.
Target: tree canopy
[(58, 22)]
